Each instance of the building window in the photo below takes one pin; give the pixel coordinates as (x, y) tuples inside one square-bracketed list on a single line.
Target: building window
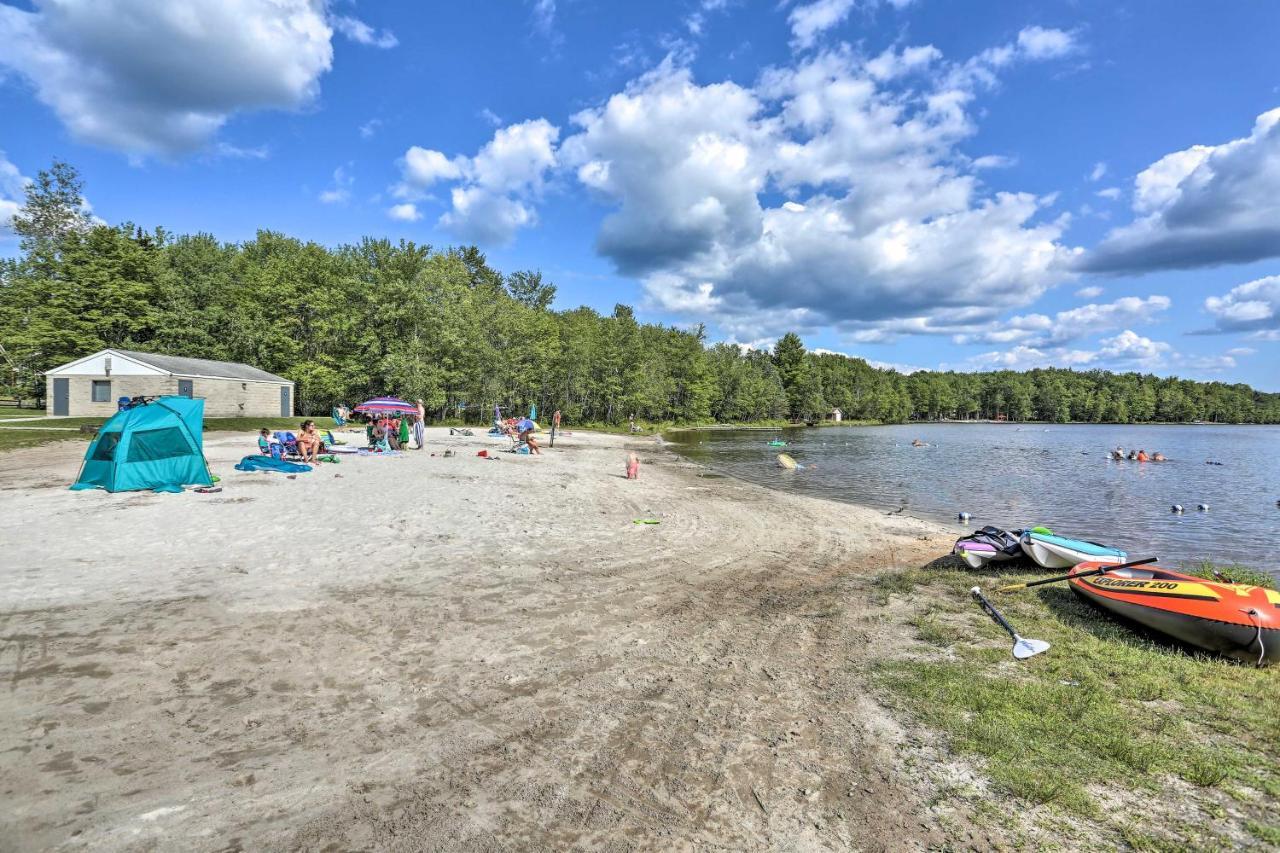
[(102, 390)]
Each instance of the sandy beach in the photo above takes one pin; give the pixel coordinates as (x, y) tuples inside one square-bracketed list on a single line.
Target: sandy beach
[(432, 652)]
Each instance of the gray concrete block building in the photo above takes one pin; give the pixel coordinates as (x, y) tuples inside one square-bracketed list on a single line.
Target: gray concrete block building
[(90, 386)]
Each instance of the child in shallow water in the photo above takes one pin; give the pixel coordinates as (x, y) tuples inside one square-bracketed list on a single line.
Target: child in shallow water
[(633, 467)]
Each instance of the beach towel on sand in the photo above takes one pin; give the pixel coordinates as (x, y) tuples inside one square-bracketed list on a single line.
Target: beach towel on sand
[(268, 463)]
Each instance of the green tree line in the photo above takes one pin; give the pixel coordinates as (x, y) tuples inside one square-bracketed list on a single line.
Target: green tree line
[(355, 321)]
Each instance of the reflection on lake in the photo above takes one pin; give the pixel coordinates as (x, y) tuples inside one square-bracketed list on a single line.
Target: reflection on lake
[(1015, 475)]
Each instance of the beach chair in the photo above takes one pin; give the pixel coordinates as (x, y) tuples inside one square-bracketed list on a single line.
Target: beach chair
[(288, 443), (338, 420)]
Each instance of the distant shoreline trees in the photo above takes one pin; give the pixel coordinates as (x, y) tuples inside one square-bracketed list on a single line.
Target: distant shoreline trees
[(376, 317)]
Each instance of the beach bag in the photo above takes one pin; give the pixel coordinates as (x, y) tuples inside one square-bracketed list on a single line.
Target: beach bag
[(1007, 542)]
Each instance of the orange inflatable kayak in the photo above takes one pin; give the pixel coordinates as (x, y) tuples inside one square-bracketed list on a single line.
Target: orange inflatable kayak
[(1237, 620)]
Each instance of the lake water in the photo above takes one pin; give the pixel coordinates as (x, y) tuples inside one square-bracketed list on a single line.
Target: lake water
[(1014, 475)]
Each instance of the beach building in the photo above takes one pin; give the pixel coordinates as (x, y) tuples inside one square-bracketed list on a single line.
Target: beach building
[(91, 386)]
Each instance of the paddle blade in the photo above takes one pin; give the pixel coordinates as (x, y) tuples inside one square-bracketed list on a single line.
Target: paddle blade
[(1024, 648)]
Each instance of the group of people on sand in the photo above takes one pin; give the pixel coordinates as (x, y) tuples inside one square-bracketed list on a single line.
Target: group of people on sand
[(309, 443), (388, 431), (522, 429), (1118, 455)]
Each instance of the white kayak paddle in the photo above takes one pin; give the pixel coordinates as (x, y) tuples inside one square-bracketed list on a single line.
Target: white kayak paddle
[(1022, 647)]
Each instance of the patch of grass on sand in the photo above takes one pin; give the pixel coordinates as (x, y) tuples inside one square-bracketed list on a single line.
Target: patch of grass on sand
[(896, 583), (255, 424), (1234, 573), (1112, 725), (15, 439)]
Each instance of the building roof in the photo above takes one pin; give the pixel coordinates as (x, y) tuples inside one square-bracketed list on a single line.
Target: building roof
[(179, 366)]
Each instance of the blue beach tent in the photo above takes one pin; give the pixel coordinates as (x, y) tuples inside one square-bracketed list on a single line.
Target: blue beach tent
[(157, 446)]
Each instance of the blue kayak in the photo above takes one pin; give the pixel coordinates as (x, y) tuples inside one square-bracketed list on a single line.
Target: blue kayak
[(1061, 552)]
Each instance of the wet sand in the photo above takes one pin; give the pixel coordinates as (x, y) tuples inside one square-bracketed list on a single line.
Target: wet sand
[(432, 652)]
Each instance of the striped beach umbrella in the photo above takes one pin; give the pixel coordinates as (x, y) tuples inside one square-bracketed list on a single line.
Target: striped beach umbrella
[(386, 404)]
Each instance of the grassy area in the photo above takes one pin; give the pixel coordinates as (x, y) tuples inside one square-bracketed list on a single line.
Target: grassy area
[(15, 439), (14, 412), (1147, 744), (67, 429)]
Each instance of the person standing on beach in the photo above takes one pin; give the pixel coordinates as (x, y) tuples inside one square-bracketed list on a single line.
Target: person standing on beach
[(403, 430), (555, 425), (419, 431)]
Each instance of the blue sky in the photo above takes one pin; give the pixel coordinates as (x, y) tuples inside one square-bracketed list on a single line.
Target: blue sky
[(917, 182)]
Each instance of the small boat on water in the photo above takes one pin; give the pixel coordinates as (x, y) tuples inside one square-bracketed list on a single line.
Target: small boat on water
[(988, 544), (1237, 620), (1059, 552)]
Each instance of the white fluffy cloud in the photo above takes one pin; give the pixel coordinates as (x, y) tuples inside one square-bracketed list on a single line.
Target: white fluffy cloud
[(1090, 292), (153, 76), (1251, 307), (1071, 324), (1126, 351), (831, 192), (361, 33), (340, 190), (494, 191), (891, 63), (406, 212), (1045, 43), (882, 231), (423, 167), (809, 20), (13, 188), (1205, 205)]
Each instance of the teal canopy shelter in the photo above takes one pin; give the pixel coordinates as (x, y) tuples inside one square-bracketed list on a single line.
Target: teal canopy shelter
[(156, 445)]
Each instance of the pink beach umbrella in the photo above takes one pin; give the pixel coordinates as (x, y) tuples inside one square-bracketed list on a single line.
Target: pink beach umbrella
[(387, 404)]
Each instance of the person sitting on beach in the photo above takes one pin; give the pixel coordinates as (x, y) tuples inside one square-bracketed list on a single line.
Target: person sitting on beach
[(525, 430), (309, 443), (387, 433), (265, 440)]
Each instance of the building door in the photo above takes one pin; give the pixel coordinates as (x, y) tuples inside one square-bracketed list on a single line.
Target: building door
[(285, 409), (61, 396), (184, 388)]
